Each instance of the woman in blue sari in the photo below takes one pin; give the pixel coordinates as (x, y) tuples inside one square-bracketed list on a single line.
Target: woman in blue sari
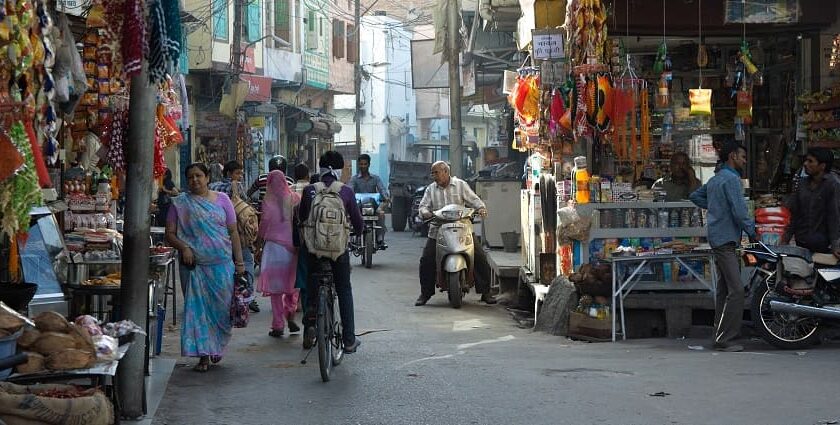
[(201, 224)]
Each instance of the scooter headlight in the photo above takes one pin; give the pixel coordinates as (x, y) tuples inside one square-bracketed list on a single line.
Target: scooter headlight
[(368, 211), (451, 215)]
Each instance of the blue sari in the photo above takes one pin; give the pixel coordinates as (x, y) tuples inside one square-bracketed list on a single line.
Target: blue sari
[(206, 328)]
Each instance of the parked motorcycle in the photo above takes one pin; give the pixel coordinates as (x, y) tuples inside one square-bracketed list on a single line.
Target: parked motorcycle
[(455, 251), (416, 222), (795, 294), (364, 244)]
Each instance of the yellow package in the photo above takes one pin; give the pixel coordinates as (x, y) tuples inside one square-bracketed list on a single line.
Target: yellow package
[(701, 101)]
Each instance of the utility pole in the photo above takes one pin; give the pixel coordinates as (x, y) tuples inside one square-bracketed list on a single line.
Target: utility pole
[(357, 76), (235, 68), (456, 148), (134, 291)]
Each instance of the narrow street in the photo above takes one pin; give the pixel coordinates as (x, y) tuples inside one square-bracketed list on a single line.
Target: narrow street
[(437, 365)]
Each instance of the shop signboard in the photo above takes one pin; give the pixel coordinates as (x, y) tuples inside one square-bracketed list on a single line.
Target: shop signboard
[(256, 122), (249, 63), (548, 45), (468, 80), (428, 70), (259, 88), (762, 12), (72, 7)]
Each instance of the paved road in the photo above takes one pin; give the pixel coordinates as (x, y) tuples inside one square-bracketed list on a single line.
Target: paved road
[(436, 365)]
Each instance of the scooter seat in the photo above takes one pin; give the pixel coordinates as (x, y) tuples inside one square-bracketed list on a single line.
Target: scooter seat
[(825, 259)]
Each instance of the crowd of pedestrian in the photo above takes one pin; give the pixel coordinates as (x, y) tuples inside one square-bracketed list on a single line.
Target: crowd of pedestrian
[(202, 225)]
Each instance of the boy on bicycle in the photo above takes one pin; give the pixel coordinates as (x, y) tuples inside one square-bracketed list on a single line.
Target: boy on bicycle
[(331, 163)]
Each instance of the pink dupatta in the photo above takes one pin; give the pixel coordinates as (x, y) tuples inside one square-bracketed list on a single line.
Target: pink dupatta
[(278, 210)]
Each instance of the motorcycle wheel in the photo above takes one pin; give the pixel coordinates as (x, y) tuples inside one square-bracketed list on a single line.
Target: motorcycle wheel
[(782, 330), (369, 248), (453, 282)]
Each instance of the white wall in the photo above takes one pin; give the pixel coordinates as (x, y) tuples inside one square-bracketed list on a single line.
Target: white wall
[(386, 95)]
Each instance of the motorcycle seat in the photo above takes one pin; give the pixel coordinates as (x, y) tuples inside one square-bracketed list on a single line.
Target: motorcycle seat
[(825, 259)]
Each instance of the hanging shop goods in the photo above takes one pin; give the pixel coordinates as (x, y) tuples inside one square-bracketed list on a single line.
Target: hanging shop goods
[(113, 53), (25, 105), (822, 117), (586, 24)]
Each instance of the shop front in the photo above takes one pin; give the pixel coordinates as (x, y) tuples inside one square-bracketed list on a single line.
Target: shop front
[(64, 128), (622, 118), (310, 135)]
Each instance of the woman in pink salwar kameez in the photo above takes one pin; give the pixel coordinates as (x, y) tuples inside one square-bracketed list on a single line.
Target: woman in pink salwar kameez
[(279, 256)]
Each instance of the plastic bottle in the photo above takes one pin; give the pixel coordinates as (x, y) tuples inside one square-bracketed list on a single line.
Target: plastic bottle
[(674, 218), (581, 179), (695, 218), (739, 129), (594, 189), (663, 218), (667, 127), (662, 95)]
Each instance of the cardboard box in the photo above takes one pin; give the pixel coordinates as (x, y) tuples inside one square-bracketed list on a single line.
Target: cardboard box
[(582, 325)]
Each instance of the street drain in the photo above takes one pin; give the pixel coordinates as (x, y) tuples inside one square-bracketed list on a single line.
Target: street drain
[(577, 373)]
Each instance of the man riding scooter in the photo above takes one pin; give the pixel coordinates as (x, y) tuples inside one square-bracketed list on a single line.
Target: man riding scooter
[(446, 190), (365, 182)]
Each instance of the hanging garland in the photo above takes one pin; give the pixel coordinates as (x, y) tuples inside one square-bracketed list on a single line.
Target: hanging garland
[(19, 194)]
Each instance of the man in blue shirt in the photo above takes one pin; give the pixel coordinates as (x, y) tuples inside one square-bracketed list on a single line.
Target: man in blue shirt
[(727, 219), (365, 182)]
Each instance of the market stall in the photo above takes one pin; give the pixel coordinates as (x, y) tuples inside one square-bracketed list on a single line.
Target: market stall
[(621, 126)]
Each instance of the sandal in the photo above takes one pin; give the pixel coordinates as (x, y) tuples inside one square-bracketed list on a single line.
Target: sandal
[(216, 358), (202, 366), (276, 333)]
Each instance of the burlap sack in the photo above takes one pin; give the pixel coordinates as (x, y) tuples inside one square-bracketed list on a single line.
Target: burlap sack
[(21, 405)]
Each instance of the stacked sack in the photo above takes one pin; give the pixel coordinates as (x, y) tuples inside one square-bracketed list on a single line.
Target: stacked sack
[(770, 224)]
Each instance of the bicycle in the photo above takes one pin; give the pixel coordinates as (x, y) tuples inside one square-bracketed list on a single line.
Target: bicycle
[(328, 338)]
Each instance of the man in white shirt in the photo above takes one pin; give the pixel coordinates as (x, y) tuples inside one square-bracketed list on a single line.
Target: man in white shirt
[(448, 189)]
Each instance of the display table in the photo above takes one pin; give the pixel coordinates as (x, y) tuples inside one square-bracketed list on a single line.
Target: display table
[(102, 375), (621, 286)]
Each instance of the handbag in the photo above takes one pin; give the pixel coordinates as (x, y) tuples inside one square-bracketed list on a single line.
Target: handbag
[(246, 218), (242, 297)]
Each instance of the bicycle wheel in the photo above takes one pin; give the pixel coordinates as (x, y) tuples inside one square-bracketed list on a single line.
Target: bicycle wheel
[(337, 338), (323, 334)]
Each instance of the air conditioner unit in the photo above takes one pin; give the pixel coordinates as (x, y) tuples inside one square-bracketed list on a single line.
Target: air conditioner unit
[(311, 40)]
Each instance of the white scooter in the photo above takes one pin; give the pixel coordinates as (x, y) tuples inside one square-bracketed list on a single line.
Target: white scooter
[(454, 255)]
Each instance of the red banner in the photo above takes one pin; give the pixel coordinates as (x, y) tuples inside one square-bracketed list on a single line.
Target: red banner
[(259, 89)]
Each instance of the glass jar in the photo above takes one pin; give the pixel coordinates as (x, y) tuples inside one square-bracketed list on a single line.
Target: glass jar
[(663, 218)]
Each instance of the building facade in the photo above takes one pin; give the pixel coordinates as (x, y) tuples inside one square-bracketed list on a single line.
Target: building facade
[(387, 103)]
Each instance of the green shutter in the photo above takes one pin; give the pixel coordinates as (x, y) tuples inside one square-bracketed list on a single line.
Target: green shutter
[(220, 19), (253, 14)]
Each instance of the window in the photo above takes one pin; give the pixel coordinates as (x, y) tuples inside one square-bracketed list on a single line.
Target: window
[(338, 39), (352, 54), (220, 19), (253, 20), (310, 21), (320, 27), (282, 27)]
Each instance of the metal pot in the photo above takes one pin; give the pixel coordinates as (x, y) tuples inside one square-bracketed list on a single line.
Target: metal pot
[(77, 273)]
